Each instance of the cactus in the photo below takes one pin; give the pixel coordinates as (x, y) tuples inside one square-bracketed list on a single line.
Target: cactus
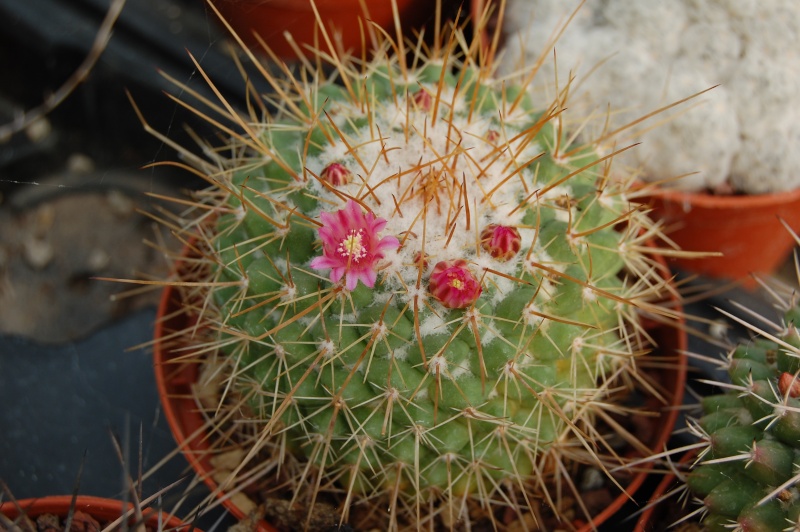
[(426, 294), (747, 473)]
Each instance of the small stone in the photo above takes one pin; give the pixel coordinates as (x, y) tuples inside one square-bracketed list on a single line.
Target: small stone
[(229, 460), (527, 523), (121, 204), (718, 329), (44, 218), (98, 259), (207, 387), (83, 522), (38, 253), (79, 163), (48, 523), (244, 503), (38, 130), (592, 479)]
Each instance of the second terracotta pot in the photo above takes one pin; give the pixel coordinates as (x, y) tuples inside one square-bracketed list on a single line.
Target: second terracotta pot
[(745, 229), (344, 20)]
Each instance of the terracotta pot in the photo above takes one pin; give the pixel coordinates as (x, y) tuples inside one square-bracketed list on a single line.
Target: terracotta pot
[(103, 510), (177, 371), (746, 229), (270, 19), (175, 381)]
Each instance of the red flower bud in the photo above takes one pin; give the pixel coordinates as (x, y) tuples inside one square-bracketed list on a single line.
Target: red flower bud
[(337, 174), (502, 242), (423, 100)]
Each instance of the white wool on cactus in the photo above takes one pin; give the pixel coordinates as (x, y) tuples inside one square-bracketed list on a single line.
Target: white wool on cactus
[(633, 57)]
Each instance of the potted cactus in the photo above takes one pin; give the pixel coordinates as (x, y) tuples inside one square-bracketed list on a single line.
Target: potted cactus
[(717, 173), (410, 300)]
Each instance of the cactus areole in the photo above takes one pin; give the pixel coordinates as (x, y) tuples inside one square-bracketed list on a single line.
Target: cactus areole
[(419, 288)]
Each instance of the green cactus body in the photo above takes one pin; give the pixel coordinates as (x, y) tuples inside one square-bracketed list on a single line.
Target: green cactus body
[(748, 476), (420, 283)]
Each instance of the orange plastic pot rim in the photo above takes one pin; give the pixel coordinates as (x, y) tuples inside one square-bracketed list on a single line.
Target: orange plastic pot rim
[(723, 201), (100, 508)]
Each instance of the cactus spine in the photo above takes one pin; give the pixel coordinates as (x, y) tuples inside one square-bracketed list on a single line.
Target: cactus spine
[(426, 293)]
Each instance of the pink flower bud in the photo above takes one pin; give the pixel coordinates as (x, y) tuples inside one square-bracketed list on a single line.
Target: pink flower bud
[(501, 241), (337, 174), (423, 100), (453, 285), (492, 136)]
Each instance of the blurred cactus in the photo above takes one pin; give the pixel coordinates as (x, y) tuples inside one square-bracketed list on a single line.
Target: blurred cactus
[(748, 472)]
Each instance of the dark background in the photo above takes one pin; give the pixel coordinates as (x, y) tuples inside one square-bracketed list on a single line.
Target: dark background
[(72, 204), (73, 207)]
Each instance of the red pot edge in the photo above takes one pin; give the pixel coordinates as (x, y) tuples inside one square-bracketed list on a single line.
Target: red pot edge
[(100, 508), (176, 414)]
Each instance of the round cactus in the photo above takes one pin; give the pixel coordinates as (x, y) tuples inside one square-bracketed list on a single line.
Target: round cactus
[(748, 473), (421, 287)]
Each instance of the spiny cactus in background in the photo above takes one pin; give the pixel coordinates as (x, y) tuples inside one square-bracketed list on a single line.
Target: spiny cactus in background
[(748, 473), (421, 285)]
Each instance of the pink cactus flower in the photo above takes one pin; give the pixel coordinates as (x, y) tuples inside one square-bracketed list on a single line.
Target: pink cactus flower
[(501, 241), (336, 174), (453, 285), (350, 245)]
